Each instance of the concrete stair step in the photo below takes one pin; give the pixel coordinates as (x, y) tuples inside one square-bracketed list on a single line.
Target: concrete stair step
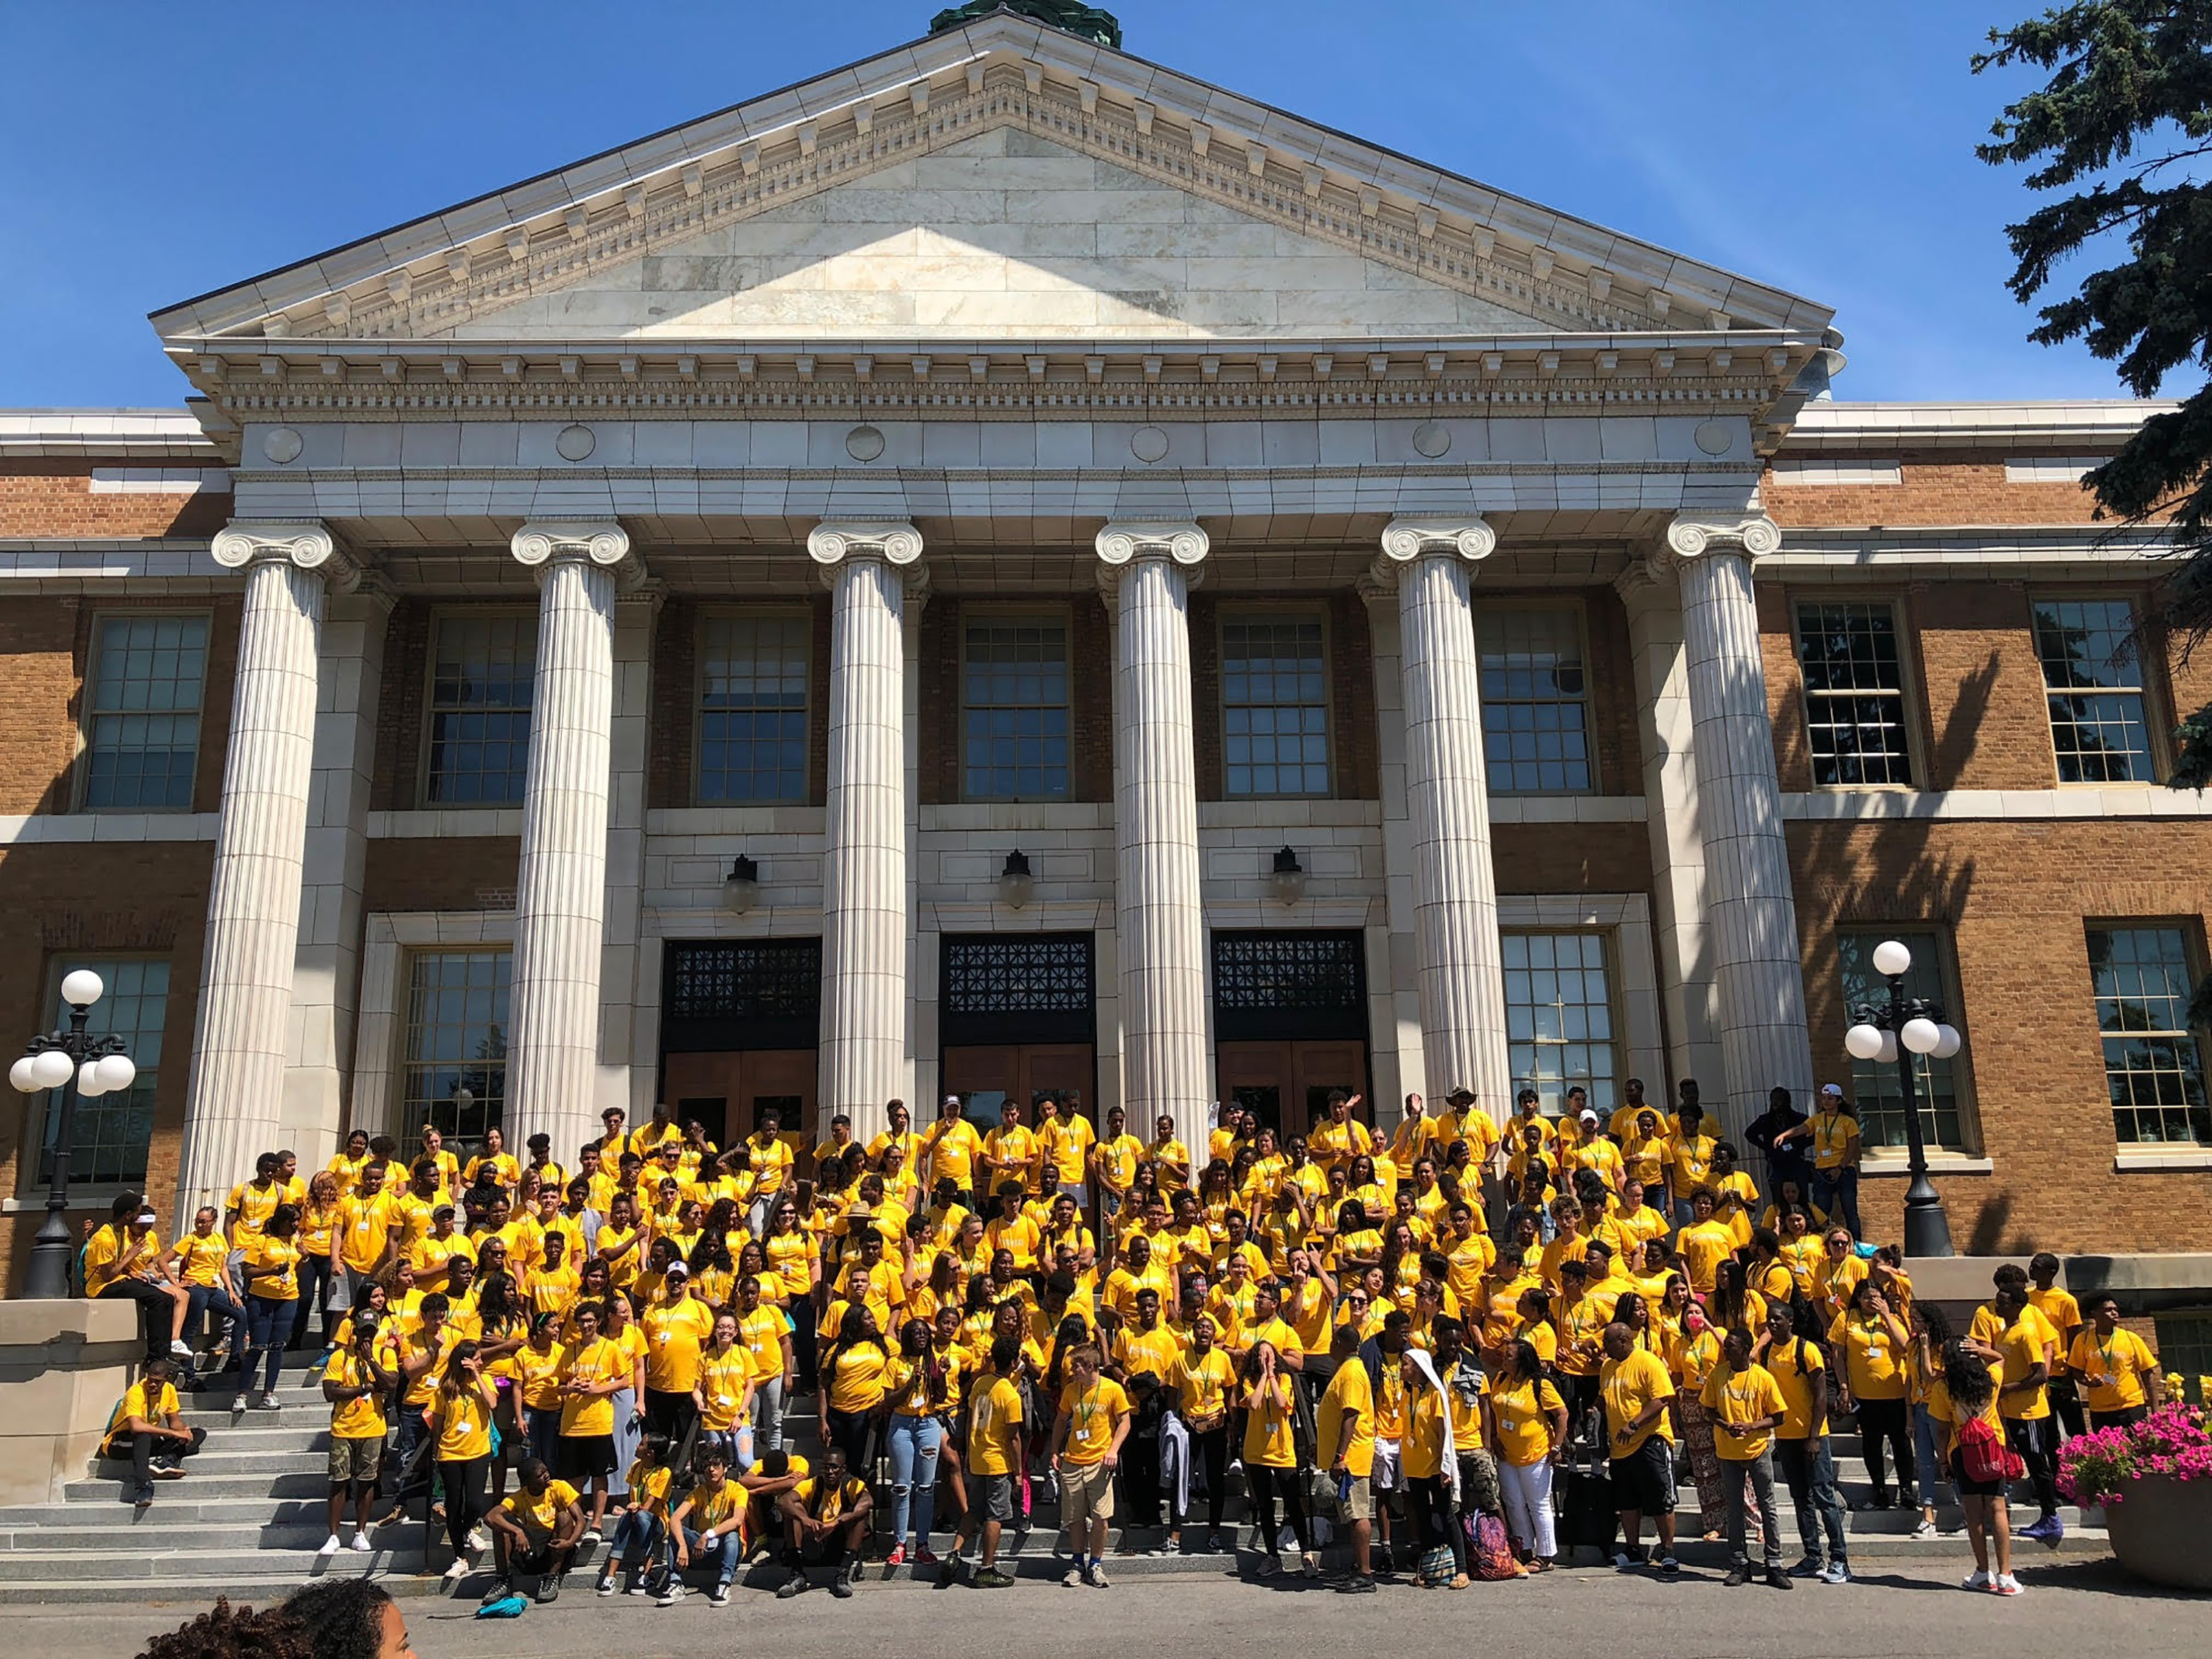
[(178, 1504), (204, 1483), (217, 1458)]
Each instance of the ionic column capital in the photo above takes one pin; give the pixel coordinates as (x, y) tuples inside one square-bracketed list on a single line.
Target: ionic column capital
[(1692, 535), (1122, 543), (835, 540), (1404, 540), (305, 546), (539, 545)]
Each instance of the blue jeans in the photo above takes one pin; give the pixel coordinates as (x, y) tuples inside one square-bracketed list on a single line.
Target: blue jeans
[(914, 1443), (721, 1555), (203, 1296), (636, 1541), (542, 1425), (269, 1322), (1837, 1191), (1926, 1464), (1808, 1468)]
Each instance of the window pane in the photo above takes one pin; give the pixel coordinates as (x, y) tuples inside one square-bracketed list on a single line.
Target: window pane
[(143, 728), (480, 693), (1275, 708), (2094, 684), (752, 708), (456, 1044), (1559, 1016), (2185, 1346), (109, 1140), (1854, 694), (1015, 695), (1875, 1086), (1535, 700), (2154, 1064)]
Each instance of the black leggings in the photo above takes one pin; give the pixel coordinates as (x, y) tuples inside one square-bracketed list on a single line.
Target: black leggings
[(1890, 1420), (1210, 1451), (314, 1293), (157, 1312), (849, 1430), (1429, 1504), (1266, 1483), (463, 1481)]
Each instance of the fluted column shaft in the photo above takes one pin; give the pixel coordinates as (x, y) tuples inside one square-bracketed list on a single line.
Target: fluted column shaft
[(1751, 905), (1160, 915), (235, 1094), (1448, 805), (560, 888), (864, 865)]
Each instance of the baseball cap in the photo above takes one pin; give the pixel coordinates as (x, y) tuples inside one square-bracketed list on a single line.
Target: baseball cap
[(147, 1217), (949, 1100), (1832, 1089), (676, 1270)]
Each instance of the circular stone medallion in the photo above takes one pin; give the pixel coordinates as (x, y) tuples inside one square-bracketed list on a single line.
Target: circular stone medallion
[(1432, 439), (283, 445), (1714, 437), (1148, 443), (575, 443), (864, 443)]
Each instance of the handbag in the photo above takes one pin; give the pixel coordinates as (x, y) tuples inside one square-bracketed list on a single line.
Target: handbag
[(1207, 1424)]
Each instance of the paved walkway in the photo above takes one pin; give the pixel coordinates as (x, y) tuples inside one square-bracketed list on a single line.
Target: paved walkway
[(1904, 1607)]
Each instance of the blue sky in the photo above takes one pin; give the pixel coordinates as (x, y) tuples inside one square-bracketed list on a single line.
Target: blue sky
[(1825, 149)]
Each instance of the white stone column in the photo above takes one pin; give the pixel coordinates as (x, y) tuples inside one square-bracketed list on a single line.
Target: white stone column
[(560, 889), (1678, 845), (865, 851), (327, 965), (1160, 922), (1447, 804), (234, 1097), (1750, 904), (1399, 1035), (629, 1035)]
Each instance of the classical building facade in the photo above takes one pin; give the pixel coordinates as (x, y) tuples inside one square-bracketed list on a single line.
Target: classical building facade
[(1006, 567)]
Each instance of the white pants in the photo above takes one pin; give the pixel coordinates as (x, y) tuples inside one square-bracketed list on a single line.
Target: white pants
[(1528, 1494)]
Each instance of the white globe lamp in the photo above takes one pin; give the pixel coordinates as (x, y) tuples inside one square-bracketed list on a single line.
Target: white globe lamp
[(117, 1073), (1891, 958), (52, 1068), (1921, 1036), (1864, 1042), (82, 988)]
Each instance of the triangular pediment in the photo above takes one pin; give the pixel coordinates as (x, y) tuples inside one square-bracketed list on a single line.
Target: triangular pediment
[(1000, 179), (1001, 234)]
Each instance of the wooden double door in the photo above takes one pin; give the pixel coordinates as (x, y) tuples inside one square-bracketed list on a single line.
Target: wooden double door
[(727, 1090), (1285, 1085)]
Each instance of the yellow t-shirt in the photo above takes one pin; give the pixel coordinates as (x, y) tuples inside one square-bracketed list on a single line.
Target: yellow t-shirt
[(463, 1426), (1628, 1386), (501, 1170), (1742, 1397), (265, 1255), (1873, 1367), (538, 1374), (364, 1222), (1117, 1164), (953, 1157), (155, 1405), (994, 1425), (674, 1333), (2112, 1369), (603, 1359), (1204, 1380), (827, 1503), (1066, 1146), (1351, 1390), (1092, 1414), (1421, 1448), (1156, 1351), (1705, 1245), (1792, 1365), (1267, 1442), (254, 1204), (2025, 1344), (857, 1380), (200, 1257), (1835, 1135), (362, 1417), (716, 1506), (538, 1517), (761, 1334), (722, 1381), (1523, 1415), (101, 1254)]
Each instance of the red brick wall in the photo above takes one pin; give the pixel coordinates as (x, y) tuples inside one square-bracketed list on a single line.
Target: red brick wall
[(475, 872), (1571, 857), (671, 746), (1943, 487), (50, 496)]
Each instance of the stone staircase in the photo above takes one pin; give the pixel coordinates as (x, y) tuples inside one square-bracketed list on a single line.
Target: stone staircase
[(246, 1520)]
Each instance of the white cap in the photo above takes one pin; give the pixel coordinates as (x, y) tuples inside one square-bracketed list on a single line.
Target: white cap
[(949, 1100), (1589, 1114), (1832, 1089)]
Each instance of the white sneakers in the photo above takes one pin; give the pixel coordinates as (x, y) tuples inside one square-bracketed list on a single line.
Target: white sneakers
[(330, 1546), (1979, 1579), (360, 1544), (458, 1571)]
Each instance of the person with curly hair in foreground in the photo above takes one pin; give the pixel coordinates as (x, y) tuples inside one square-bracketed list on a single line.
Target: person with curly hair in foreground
[(336, 1618)]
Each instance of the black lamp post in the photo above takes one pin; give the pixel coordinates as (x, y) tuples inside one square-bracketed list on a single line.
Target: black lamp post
[(1903, 1030), (81, 1066)]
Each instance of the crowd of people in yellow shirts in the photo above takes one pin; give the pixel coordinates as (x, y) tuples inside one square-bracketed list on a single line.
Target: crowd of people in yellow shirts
[(546, 1357)]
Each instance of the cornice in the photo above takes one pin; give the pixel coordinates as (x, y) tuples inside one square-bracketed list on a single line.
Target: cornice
[(1002, 71)]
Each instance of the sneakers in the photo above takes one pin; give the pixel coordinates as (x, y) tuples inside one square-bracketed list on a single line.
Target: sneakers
[(896, 1559), (360, 1545), (1777, 1579), (719, 1595), (949, 1571), (267, 1403), (1979, 1579), (330, 1547), (1925, 1529), (841, 1586), (2006, 1585), (1095, 1576), (501, 1588), (606, 1586), (991, 1578), (1837, 1572), (549, 1590), (479, 1540), (179, 1348), (2049, 1530), (1270, 1564), (1808, 1567), (1071, 1579), (167, 1468), (853, 1569), (1359, 1584), (1737, 1578), (457, 1570), (672, 1592), (923, 1558), (797, 1584), (238, 1406), (1214, 1546)]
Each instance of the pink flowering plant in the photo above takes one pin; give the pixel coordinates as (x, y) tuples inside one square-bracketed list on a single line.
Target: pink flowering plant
[(2096, 1468)]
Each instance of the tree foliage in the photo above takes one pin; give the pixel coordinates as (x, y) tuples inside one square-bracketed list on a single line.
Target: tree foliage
[(2124, 127)]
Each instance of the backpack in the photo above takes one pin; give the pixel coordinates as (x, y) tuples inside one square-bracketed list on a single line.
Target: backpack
[(1984, 1456), (1489, 1551)]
